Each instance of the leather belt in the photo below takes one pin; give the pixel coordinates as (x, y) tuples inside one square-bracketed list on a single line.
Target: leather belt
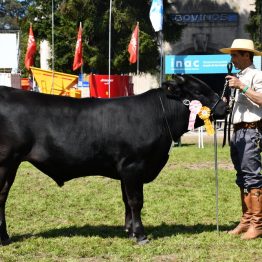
[(246, 125)]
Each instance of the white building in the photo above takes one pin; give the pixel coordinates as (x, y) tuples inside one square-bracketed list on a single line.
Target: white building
[(9, 58), (210, 25)]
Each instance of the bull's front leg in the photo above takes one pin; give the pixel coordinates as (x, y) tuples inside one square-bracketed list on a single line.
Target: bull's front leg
[(7, 176), (4, 237), (134, 194)]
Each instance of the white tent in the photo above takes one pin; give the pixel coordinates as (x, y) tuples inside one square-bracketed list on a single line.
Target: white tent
[(9, 50)]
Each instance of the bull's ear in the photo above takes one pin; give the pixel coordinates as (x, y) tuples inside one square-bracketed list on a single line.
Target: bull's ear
[(179, 79), (171, 88)]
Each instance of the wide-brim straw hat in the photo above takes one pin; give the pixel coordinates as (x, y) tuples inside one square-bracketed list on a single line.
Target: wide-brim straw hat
[(241, 45)]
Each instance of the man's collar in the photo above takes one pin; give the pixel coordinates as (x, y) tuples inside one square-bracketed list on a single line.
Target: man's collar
[(246, 70)]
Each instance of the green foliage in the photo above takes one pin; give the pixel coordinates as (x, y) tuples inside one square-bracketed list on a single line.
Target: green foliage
[(83, 220), (11, 11), (94, 16), (254, 25)]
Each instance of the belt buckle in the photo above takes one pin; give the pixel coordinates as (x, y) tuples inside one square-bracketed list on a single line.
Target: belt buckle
[(253, 125)]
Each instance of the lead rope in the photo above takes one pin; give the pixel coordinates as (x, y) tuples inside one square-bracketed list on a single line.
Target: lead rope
[(225, 124), (231, 99), (228, 120), (231, 105), (168, 127)]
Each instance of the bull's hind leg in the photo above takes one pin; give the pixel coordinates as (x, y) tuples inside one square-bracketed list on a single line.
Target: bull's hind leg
[(134, 193), (7, 176)]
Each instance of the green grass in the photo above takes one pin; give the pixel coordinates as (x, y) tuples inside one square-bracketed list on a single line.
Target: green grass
[(83, 220)]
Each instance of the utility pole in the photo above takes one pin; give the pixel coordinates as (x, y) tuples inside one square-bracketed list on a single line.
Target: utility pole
[(260, 11), (259, 3)]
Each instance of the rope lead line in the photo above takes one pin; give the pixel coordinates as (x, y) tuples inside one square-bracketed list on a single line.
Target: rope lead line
[(168, 127)]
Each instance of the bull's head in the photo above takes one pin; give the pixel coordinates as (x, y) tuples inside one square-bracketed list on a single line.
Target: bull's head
[(187, 88)]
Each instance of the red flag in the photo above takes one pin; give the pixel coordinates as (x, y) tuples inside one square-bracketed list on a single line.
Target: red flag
[(31, 49), (78, 60), (133, 45)]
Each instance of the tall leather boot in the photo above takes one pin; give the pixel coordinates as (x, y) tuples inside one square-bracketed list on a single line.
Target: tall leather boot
[(244, 223), (255, 229)]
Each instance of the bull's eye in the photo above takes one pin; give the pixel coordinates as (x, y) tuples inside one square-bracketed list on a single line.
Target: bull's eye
[(197, 92)]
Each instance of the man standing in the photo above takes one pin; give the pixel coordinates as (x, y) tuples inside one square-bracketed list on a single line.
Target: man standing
[(246, 142)]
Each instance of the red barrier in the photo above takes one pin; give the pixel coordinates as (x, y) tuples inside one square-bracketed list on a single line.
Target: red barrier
[(120, 85), (25, 84)]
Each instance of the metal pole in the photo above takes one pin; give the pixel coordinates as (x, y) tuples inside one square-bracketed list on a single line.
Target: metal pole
[(81, 69), (53, 47), (261, 29), (109, 49), (161, 56), (216, 172), (260, 21), (137, 64)]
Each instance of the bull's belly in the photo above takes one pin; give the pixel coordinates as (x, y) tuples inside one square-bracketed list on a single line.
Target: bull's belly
[(66, 165), (62, 172)]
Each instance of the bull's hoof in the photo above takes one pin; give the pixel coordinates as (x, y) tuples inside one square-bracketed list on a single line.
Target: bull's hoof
[(142, 240), (5, 242), (127, 230), (131, 236)]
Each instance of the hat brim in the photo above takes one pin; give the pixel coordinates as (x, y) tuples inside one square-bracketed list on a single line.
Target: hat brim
[(229, 50)]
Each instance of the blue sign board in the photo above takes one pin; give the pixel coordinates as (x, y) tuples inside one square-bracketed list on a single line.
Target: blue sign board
[(201, 64)]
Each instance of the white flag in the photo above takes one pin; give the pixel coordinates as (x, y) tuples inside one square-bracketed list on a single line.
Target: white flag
[(156, 15)]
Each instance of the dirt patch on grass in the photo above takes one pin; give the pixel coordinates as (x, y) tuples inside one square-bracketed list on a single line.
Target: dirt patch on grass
[(206, 165), (193, 138), (165, 258), (225, 166)]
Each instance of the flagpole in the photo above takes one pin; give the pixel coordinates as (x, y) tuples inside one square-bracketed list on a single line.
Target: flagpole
[(78, 58), (109, 49), (137, 64), (81, 70), (156, 17), (161, 57), (53, 46)]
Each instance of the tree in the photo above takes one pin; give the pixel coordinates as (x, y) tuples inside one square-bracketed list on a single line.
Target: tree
[(11, 11), (94, 16), (254, 25)]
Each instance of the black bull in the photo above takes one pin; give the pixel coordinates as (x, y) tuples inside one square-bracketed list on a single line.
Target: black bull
[(124, 138)]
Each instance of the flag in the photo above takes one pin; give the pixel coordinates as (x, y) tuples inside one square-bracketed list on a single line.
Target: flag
[(31, 49), (78, 60), (156, 15), (133, 46)]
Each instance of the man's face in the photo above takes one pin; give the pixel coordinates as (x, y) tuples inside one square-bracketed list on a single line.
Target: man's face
[(240, 61)]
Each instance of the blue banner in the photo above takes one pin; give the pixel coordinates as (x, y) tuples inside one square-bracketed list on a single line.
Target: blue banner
[(201, 64)]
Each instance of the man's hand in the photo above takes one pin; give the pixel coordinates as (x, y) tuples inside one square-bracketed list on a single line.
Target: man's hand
[(254, 96), (234, 82)]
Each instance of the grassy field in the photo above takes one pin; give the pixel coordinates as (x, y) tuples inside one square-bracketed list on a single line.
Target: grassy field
[(83, 221)]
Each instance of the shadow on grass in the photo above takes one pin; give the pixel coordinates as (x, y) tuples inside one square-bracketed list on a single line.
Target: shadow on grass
[(106, 231), (185, 145)]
